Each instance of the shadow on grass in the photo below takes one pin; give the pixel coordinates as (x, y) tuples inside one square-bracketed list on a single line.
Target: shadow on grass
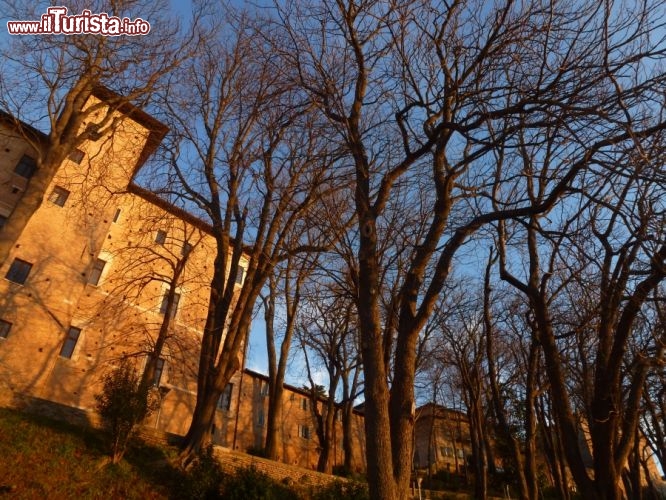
[(91, 437), (156, 464), (60, 459)]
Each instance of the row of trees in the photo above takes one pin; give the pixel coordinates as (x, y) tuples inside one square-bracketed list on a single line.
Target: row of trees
[(390, 149)]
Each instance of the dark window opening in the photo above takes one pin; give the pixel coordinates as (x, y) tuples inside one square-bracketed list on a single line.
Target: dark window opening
[(76, 156), (240, 274), (224, 403), (70, 342), (59, 196), (5, 326), (157, 376), (174, 306), (96, 272), (160, 237), (93, 132), (26, 167), (19, 271)]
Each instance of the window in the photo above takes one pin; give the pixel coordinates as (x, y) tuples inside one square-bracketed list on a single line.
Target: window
[(93, 131), (26, 167), (3, 221), (461, 453), (224, 403), (260, 418), (304, 404), (160, 237), (265, 389), (116, 216), (240, 274), (187, 248), (96, 272), (174, 306), (70, 342), (159, 368), (19, 271), (59, 196), (5, 326), (304, 431), (76, 156)]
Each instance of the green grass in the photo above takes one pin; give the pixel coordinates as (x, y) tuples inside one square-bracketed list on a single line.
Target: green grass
[(43, 458)]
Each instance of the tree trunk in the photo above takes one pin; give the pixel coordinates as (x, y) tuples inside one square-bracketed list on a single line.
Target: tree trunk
[(347, 415), (163, 334), (498, 404), (530, 422), (61, 141), (272, 420), (347, 438), (402, 407), (569, 431), (552, 452), (198, 434)]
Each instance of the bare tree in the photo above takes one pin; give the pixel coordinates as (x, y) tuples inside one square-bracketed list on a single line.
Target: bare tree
[(153, 265), (247, 156), (590, 274), (418, 94), (523, 451), (460, 346), (291, 277), (326, 334)]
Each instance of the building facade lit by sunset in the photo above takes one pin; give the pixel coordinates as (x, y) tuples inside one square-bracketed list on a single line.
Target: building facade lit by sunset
[(86, 285)]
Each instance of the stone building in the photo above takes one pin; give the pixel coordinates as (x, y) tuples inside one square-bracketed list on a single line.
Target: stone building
[(240, 423), (441, 439), (87, 281)]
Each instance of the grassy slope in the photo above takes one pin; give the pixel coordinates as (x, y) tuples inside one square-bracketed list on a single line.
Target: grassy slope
[(42, 458)]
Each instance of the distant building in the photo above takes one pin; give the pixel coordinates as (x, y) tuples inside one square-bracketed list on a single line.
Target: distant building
[(240, 423), (441, 439)]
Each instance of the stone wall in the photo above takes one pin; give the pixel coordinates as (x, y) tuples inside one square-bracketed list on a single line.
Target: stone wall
[(286, 473)]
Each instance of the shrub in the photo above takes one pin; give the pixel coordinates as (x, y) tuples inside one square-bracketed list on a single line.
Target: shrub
[(249, 483), (341, 470), (342, 490), (204, 478), (122, 404)]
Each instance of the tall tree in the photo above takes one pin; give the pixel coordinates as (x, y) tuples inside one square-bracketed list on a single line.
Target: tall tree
[(418, 96), (288, 284), (246, 155), (521, 440), (326, 335), (590, 273)]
